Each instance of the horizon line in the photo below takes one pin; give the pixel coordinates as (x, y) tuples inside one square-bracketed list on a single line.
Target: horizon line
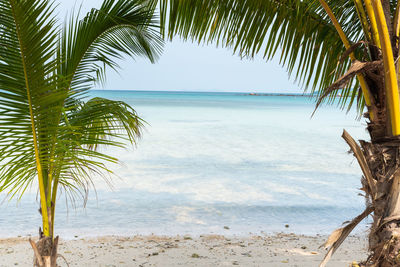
[(193, 91)]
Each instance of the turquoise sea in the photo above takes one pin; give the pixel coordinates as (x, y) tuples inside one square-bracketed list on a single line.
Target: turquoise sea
[(209, 160)]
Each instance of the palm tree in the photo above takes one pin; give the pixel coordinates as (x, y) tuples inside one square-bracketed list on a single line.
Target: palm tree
[(49, 130), (331, 47)]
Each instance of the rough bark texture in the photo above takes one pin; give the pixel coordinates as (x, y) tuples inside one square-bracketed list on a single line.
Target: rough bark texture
[(45, 251), (383, 160)]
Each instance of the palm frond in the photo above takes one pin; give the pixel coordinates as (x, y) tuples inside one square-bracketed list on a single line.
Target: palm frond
[(98, 122), (87, 46), (301, 31), (104, 35), (44, 76), (27, 95)]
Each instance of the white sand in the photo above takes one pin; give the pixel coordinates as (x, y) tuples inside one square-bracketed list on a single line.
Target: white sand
[(209, 250)]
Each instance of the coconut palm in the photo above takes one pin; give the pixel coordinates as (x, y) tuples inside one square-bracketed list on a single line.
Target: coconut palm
[(49, 129), (332, 47)]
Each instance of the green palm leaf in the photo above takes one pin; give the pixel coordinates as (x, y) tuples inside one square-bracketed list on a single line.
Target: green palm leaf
[(28, 45), (118, 28), (97, 122), (301, 31), (49, 130)]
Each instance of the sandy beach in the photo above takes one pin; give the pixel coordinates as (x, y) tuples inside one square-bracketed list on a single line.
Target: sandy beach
[(208, 250)]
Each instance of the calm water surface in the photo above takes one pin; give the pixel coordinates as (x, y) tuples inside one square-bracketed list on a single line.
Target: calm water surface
[(209, 160)]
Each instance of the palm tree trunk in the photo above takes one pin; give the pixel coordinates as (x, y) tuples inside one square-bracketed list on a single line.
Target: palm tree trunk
[(380, 163), (383, 160), (45, 251)]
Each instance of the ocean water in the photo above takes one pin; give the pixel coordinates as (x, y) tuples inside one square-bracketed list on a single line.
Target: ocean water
[(209, 160)]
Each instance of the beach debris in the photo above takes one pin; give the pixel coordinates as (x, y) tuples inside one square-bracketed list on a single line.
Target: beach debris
[(226, 227), (187, 238), (285, 261), (195, 255), (287, 225), (247, 254), (235, 263), (303, 247), (167, 245)]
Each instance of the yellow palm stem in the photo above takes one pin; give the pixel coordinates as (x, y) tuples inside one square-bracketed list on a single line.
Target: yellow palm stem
[(396, 27), (335, 22), (343, 37), (53, 206), (48, 200), (391, 86), (49, 204), (43, 202), (397, 20), (39, 169), (363, 18), (374, 27)]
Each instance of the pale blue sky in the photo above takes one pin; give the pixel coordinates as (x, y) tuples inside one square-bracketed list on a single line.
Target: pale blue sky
[(185, 66)]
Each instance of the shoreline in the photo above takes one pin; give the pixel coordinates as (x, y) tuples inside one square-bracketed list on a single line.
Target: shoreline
[(184, 250)]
